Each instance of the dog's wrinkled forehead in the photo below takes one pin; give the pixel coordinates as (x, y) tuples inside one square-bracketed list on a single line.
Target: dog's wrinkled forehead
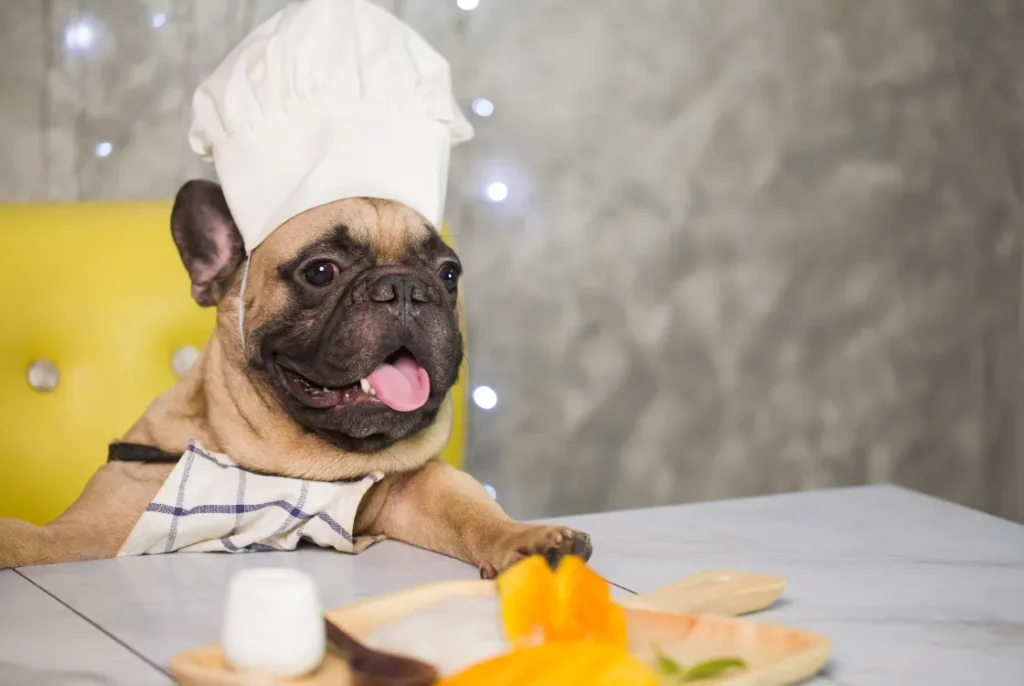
[(388, 228)]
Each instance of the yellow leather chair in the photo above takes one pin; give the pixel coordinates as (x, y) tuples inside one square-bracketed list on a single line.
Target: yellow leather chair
[(96, 292)]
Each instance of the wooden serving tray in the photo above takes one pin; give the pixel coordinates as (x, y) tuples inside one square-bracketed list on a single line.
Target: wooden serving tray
[(776, 655)]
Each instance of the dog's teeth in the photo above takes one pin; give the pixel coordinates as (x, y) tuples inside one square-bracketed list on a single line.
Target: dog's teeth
[(365, 385), (373, 391)]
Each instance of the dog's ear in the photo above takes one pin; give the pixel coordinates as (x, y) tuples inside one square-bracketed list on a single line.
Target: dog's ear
[(208, 240)]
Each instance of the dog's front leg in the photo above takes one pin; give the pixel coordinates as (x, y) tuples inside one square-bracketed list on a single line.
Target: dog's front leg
[(445, 510), (94, 527), (23, 544)]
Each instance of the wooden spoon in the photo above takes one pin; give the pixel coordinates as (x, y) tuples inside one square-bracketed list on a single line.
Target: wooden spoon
[(715, 591)]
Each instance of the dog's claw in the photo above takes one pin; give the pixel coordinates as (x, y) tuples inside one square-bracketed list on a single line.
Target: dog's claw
[(582, 547)]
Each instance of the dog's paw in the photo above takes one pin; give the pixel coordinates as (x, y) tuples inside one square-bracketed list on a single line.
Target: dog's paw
[(553, 542)]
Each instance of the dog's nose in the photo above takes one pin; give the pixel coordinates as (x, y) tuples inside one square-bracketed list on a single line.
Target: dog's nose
[(404, 288)]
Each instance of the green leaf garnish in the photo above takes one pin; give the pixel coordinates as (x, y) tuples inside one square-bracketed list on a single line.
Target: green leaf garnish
[(713, 668), (670, 669), (667, 666)]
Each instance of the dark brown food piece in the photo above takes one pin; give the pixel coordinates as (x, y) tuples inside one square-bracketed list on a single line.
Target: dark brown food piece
[(373, 668)]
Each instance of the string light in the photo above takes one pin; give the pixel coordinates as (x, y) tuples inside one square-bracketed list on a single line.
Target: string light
[(482, 107), (497, 191), (485, 397), (80, 35)]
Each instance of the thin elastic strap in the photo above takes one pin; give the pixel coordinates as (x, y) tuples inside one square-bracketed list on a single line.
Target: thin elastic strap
[(241, 301)]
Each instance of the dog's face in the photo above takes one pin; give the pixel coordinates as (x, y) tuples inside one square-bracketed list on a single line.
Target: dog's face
[(350, 321)]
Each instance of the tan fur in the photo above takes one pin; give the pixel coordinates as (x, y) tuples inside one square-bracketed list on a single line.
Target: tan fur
[(443, 509), (421, 500), (94, 527)]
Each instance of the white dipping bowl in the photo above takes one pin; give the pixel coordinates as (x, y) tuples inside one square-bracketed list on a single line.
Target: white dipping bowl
[(273, 623)]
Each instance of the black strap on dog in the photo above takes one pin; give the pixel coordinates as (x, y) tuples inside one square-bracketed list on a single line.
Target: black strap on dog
[(136, 452)]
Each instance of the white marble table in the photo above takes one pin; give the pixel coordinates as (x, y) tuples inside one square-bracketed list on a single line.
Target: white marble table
[(911, 590)]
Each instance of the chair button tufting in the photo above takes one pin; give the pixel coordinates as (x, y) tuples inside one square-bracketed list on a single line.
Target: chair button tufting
[(183, 359), (43, 375)]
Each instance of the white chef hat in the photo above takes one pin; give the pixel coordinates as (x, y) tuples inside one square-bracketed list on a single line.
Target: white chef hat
[(328, 99)]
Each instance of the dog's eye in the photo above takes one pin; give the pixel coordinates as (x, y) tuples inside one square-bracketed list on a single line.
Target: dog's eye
[(450, 274), (320, 273)]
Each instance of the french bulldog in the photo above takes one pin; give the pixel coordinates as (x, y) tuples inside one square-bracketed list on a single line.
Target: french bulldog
[(350, 346)]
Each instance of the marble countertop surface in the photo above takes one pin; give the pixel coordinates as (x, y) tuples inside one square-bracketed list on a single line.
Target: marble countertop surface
[(909, 588)]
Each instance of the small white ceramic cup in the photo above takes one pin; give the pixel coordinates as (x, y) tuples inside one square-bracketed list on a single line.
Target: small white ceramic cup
[(273, 622)]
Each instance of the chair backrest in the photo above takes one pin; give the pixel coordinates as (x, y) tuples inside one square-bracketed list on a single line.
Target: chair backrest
[(97, 293)]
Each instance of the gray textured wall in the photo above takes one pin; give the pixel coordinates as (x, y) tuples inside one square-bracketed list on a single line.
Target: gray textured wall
[(749, 246)]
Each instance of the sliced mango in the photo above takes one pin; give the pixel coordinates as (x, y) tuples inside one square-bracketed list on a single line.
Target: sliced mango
[(584, 610), (527, 592), (572, 603), (558, 664)]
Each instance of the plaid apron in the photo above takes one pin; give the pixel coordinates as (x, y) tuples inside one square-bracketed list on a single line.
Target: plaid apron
[(210, 504)]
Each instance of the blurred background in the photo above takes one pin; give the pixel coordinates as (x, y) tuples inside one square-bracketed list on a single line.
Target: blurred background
[(713, 249)]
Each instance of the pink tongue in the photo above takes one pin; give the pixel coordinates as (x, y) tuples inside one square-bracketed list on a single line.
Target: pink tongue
[(403, 386)]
